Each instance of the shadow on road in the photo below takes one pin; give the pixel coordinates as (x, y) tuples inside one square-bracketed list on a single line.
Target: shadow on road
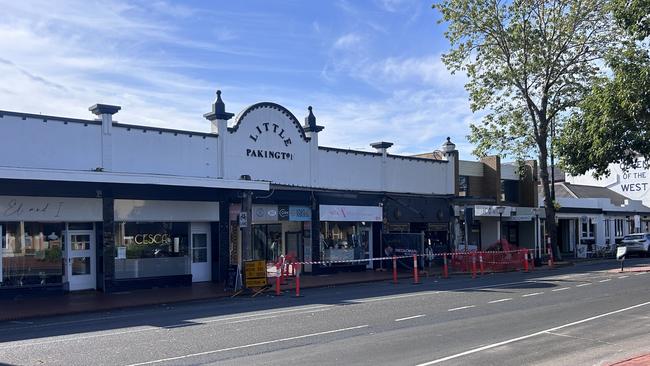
[(186, 314)]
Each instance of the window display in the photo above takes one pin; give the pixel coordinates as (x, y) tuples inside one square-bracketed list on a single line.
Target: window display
[(344, 241), (151, 249), (31, 254)]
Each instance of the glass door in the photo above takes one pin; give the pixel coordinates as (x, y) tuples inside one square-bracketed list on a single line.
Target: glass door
[(80, 267), (201, 252), (366, 244)]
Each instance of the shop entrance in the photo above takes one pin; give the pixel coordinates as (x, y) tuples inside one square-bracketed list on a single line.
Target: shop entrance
[(201, 252), (366, 243), (80, 267)]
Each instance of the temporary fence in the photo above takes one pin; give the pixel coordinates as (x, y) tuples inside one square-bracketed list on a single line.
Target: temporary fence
[(474, 263)]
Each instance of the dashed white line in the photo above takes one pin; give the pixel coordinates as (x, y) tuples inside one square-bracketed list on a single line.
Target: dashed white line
[(560, 289), (500, 300), (638, 274), (533, 294), (250, 345), (583, 284), (410, 317), (512, 340), (462, 307), (623, 276), (609, 279)]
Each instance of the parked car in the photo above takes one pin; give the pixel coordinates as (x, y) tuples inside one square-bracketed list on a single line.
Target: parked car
[(637, 244)]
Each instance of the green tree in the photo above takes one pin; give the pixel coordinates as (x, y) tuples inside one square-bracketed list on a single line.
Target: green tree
[(613, 124), (529, 63)]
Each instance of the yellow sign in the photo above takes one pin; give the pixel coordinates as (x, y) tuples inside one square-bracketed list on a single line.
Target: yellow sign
[(255, 273), (255, 282)]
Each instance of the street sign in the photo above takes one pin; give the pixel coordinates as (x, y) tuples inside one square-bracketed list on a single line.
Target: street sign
[(620, 253), (243, 219), (255, 274)]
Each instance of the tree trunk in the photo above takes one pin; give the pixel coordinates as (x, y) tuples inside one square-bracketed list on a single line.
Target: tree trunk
[(551, 227)]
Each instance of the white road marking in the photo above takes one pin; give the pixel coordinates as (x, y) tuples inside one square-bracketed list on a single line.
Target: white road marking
[(500, 300), (638, 274), (560, 289), (410, 317), (583, 284), (462, 307), (250, 345), (512, 340), (609, 279), (533, 294), (623, 276)]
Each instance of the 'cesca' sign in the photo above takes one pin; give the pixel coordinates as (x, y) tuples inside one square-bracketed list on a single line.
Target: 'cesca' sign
[(151, 239)]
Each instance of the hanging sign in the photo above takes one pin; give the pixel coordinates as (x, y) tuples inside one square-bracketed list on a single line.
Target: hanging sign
[(243, 219)]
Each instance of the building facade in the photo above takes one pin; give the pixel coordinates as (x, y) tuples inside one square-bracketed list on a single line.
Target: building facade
[(100, 204)]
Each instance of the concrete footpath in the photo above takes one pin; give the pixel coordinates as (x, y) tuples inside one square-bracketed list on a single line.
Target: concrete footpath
[(90, 301)]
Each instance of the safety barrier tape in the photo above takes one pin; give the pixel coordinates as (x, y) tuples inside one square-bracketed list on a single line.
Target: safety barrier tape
[(431, 256)]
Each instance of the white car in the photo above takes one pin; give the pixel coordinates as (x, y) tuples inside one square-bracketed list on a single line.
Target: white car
[(636, 243)]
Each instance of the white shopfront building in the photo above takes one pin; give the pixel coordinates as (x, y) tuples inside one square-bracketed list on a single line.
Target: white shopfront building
[(120, 204)]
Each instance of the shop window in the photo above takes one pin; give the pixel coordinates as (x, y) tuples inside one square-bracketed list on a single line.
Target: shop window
[(463, 186), (31, 254), (618, 228), (345, 240), (151, 249), (509, 190)]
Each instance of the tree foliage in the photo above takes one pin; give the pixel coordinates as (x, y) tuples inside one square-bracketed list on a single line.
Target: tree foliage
[(529, 64), (613, 124)]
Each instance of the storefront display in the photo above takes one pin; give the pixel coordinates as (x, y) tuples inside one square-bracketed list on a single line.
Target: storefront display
[(151, 249), (31, 254)]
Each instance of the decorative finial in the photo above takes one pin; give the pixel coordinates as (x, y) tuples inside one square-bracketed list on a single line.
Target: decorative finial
[(310, 120), (218, 110), (448, 139)]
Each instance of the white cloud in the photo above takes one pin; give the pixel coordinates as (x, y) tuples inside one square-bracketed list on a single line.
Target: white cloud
[(347, 41)]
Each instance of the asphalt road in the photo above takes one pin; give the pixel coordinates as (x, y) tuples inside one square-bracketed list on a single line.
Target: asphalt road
[(580, 315)]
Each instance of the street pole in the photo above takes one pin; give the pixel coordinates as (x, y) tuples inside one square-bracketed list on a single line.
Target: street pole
[(537, 243), (499, 227)]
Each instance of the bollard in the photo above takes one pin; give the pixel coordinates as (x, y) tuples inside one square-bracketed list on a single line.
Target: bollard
[(297, 280), (480, 261), (416, 278), (473, 265), (550, 257), (277, 286), (445, 269), (525, 260), (394, 270)]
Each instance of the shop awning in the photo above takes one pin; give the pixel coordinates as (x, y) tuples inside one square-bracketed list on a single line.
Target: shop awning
[(128, 178)]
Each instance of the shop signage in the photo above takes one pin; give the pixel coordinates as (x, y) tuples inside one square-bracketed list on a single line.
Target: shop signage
[(283, 213), (350, 213), (268, 127), (269, 154), (152, 239), (483, 210), (299, 213), (265, 213), (20, 208), (273, 213)]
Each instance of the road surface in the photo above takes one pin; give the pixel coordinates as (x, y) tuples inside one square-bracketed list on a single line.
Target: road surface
[(581, 315)]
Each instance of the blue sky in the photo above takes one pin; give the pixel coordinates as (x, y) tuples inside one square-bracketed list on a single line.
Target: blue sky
[(371, 69)]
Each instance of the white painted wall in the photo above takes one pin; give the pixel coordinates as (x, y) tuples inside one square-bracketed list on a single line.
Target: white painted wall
[(32, 143), (634, 183), (266, 142), (135, 151)]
